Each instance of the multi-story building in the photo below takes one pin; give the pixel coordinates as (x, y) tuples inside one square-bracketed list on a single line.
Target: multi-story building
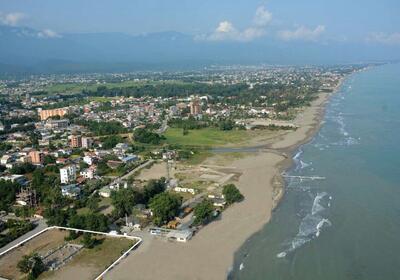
[(75, 141), (87, 142), (36, 157), (57, 124), (68, 174), (45, 114), (195, 107)]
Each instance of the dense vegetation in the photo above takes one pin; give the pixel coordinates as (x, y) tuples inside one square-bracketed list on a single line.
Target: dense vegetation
[(231, 194), (15, 229), (144, 136)]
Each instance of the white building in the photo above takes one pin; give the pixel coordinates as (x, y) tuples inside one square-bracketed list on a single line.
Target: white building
[(68, 174), (88, 159), (70, 190), (87, 173), (87, 142)]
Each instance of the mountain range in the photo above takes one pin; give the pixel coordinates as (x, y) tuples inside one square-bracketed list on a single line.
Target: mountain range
[(26, 50)]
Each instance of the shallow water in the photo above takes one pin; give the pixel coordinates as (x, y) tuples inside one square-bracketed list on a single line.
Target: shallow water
[(348, 225)]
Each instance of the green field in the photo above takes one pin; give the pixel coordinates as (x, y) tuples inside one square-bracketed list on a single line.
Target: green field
[(206, 137)]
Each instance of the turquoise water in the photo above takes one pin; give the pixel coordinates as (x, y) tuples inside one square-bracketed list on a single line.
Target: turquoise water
[(348, 225)]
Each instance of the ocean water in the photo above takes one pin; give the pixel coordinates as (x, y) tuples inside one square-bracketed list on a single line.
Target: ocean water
[(347, 226)]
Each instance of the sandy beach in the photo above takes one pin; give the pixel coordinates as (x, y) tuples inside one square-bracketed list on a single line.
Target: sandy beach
[(209, 255)]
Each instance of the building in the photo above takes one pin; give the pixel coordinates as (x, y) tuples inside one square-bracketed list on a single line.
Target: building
[(68, 174), (89, 160), (20, 179), (75, 141), (88, 173), (57, 124), (36, 157), (2, 128), (87, 142), (105, 191), (5, 159), (70, 190), (195, 107), (45, 114)]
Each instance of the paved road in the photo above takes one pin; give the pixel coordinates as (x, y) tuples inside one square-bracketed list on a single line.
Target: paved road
[(136, 169), (41, 225)]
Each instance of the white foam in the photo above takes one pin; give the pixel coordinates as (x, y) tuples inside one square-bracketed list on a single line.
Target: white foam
[(317, 207), (281, 255)]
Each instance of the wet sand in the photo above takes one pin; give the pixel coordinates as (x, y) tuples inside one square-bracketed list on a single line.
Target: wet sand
[(209, 255)]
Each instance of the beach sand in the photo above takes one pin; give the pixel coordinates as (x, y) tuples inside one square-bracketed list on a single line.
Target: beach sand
[(209, 255)]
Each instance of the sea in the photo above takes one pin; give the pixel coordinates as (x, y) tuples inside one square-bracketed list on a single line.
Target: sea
[(344, 224)]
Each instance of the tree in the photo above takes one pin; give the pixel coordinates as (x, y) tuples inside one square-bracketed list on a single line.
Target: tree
[(88, 241), (123, 201), (203, 212), (93, 203), (231, 194), (142, 135), (165, 206), (153, 188), (31, 264)]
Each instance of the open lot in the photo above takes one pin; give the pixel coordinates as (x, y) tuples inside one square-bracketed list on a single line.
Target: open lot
[(213, 137), (40, 244), (85, 263)]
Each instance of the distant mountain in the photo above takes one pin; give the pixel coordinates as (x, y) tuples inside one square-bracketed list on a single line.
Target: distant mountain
[(26, 50)]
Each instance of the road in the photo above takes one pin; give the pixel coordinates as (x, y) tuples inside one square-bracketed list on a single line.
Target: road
[(136, 169), (41, 225)]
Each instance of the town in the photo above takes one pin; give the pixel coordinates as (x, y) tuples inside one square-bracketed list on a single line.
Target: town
[(124, 153)]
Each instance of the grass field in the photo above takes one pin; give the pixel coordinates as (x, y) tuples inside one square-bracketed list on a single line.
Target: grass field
[(207, 137)]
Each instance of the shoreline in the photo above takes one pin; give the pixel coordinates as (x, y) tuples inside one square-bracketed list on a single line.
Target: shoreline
[(210, 254)]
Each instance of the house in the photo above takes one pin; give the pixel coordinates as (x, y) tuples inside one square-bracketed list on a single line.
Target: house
[(20, 179), (180, 235), (105, 192), (6, 159), (68, 174), (133, 223), (70, 190), (129, 158), (121, 148), (89, 159), (88, 173)]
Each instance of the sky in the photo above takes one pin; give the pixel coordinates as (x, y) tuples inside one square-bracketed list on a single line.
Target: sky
[(214, 20)]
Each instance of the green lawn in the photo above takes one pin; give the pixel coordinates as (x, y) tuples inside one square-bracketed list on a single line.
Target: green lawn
[(207, 137)]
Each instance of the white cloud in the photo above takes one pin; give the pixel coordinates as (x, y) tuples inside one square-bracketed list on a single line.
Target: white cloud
[(302, 33), (225, 27), (384, 38), (262, 17), (48, 33), (226, 31), (11, 18)]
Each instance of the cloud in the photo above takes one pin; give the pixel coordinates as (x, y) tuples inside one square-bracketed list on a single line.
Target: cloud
[(384, 38), (48, 33), (302, 33), (11, 19), (226, 31), (262, 17)]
